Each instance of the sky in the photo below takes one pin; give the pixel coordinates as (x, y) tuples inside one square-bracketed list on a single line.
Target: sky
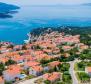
[(45, 2)]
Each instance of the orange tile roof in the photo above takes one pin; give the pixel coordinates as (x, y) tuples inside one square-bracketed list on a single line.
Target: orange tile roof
[(38, 52), (4, 60), (43, 56), (66, 47), (29, 57), (47, 50), (51, 76), (37, 68), (1, 79), (18, 58), (54, 63), (32, 63), (89, 69), (13, 69), (84, 47), (66, 54)]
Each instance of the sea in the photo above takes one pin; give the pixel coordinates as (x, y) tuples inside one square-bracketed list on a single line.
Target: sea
[(15, 29)]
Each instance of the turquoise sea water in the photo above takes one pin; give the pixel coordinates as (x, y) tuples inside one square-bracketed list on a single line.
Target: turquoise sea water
[(29, 17)]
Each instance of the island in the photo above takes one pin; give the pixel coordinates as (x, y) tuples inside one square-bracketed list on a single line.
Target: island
[(6, 10)]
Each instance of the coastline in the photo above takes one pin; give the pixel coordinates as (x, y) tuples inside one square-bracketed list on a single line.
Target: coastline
[(66, 29)]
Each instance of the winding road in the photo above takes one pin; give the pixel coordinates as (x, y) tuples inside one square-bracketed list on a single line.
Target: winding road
[(72, 72)]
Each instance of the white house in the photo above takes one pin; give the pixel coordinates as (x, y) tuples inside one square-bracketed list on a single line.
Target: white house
[(12, 72), (36, 70)]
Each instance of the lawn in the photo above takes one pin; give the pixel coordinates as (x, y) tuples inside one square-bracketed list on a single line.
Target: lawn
[(78, 67)]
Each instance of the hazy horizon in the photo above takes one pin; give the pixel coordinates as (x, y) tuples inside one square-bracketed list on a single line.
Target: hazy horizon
[(46, 2), (28, 18)]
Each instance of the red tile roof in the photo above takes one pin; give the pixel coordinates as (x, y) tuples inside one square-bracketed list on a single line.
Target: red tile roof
[(31, 63), (89, 69), (52, 77), (37, 68)]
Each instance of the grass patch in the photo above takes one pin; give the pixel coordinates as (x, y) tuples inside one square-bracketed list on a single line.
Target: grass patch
[(78, 67), (75, 67), (30, 77), (39, 81)]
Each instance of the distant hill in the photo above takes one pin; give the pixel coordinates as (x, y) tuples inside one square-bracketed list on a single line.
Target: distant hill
[(5, 8), (66, 29), (87, 4)]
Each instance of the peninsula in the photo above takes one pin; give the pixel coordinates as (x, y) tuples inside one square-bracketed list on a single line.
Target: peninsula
[(49, 56)]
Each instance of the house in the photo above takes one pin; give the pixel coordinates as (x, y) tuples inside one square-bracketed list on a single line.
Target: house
[(83, 47), (12, 72), (48, 51), (43, 57), (66, 48), (36, 70), (38, 52), (28, 58), (56, 50), (17, 47), (3, 60), (30, 64), (66, 55), (18, 59), (52, 77), (53, 64), (3, 49), (1, 80), (88, 70)]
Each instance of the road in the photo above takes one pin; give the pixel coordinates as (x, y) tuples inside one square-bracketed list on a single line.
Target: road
[(72, 72), (30, 81)]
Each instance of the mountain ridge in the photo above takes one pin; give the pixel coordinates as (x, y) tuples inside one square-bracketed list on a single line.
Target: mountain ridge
[(87, 4)]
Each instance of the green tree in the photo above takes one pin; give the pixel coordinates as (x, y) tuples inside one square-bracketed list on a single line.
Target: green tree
[(10, 62), (47, 82), (2, 68), (10, 46), (65, 67), (66, 77), (24, 47), (84, 77), (8, 82)]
